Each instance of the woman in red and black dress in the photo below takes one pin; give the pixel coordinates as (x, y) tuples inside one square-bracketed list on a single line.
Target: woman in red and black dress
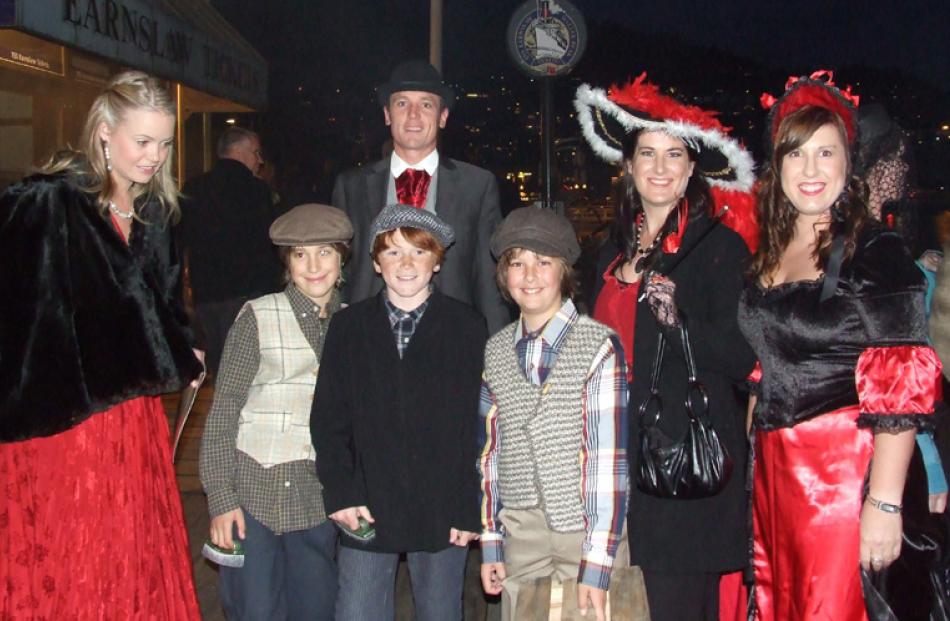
[(92, 330), (835, 313)]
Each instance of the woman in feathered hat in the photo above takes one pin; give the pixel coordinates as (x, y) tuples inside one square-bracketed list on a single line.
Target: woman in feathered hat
[(834, 311), (671, 154)]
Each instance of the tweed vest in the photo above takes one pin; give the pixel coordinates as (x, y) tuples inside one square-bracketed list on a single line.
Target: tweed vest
[(275, 421), (541, 429)]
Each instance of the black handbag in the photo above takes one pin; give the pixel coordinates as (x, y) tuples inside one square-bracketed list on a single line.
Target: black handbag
[(697, 465)]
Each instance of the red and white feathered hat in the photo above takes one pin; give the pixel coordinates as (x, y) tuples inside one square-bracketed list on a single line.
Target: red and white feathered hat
[(817, 89), (606, 117)]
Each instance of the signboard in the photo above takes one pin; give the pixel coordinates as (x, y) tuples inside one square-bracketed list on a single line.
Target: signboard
[(141, 34), (546, 38), (19, 49)]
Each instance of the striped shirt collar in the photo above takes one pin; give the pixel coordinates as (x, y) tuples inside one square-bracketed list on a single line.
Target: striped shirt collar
[(555, 330)]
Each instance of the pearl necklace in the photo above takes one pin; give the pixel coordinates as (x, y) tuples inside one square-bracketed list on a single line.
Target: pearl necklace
[(125, 215), (645, 252)]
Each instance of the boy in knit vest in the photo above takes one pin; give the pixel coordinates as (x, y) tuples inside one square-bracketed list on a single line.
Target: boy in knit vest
[(257, 460), (394, 422), (554, 425)]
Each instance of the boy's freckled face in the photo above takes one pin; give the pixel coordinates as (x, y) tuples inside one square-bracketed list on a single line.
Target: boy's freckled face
[(534, 283), (407, 271)]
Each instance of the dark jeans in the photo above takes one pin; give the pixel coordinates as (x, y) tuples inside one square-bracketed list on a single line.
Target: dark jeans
[(291, 576), (682, 597), (368, 579), (216, 319)]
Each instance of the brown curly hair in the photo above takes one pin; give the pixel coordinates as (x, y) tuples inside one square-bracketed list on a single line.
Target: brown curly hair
[(777, 215)]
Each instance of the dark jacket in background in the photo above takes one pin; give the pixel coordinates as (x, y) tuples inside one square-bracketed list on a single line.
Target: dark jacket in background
[(399, 435), (707, 535), (86, 321), (226, 213)]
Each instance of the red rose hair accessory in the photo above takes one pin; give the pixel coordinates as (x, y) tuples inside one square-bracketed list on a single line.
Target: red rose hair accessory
[(817, 89)]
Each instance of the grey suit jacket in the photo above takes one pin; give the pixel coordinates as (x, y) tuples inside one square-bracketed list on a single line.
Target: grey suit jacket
[(466, 198)]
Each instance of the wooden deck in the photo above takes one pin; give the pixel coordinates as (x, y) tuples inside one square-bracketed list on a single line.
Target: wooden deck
[(197, 521)]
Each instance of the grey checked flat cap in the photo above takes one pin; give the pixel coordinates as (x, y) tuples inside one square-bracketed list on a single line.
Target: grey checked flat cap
[(539, 230), (394, 217), (311, 224)]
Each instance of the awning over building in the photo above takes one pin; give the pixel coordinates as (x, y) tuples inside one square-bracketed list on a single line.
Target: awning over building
[(182, 40)]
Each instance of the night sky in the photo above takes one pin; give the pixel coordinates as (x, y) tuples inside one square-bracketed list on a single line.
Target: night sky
[(323, 43)]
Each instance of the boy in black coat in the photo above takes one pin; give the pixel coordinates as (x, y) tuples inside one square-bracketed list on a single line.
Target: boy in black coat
[(394, 423)]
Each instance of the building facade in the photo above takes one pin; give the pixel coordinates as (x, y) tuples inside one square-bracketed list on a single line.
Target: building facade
[(55, 56)]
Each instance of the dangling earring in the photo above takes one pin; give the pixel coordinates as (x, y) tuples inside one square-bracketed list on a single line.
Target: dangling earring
[(105, 151)]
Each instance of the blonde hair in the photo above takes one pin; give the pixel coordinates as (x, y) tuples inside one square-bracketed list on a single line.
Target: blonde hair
[(125, 92)]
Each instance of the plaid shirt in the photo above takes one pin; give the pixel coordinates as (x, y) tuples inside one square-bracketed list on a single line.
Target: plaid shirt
[(603, 454), (285, 497), (404, 323)]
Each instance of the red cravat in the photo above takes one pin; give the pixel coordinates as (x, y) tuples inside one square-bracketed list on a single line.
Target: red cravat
[(412, 186)]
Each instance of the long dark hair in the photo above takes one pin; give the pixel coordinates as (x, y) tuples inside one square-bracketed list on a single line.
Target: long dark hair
[(625, 217), (777, 215)]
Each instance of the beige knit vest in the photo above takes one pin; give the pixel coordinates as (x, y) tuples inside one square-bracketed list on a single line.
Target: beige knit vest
[(275, 421), (540, 429)]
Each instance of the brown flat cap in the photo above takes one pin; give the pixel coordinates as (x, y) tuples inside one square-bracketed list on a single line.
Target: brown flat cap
[(310, 224), (539, 230)]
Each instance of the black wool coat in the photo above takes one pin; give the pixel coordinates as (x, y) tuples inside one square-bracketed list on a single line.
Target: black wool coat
[(86, 321), (225, 216), (399, 435), (710, 534)]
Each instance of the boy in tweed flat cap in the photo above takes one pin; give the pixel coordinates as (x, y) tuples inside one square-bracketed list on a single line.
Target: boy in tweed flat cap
[(257, 459), (394, 425), (554, 425)]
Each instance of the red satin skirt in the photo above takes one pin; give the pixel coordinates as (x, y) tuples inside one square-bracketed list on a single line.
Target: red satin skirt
[(806, 508), (91, 525)]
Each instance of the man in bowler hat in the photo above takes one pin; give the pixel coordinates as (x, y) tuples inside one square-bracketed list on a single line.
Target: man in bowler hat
[(416, 105)]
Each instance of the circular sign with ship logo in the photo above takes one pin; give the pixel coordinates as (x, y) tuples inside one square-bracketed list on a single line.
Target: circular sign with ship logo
[(546, 38)]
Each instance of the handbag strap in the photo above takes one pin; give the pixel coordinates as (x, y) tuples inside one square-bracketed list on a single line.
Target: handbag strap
[(687, 351), (654, 396), (694, 386)]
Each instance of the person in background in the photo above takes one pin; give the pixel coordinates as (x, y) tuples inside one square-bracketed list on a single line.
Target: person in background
[(93, 331), (225, 215), (887, 160), (257, 462)]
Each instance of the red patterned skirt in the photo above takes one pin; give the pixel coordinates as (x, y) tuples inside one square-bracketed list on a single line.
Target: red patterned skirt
[(91, 525)]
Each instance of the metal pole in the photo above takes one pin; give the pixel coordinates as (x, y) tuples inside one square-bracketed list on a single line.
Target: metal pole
[(435, 34), (547, 106)]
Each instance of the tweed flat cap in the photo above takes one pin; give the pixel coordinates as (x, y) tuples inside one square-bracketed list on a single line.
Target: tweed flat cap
[(540, 230), (394, 217), (309, 224)]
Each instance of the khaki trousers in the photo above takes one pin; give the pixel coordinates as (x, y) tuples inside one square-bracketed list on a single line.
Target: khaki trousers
[(533, 550)]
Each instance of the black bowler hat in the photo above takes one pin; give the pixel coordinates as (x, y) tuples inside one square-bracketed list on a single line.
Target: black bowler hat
[(416, 75)]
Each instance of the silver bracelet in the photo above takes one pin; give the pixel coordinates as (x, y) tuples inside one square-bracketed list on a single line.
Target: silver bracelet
[(886, 507)]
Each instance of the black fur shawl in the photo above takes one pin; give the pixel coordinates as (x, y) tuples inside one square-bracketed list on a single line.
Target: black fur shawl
[(86, 321)]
